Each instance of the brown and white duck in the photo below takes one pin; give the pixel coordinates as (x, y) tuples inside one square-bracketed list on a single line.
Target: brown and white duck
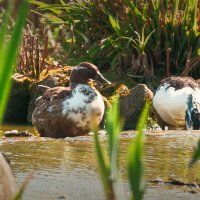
[(176, 103), (68, 111)]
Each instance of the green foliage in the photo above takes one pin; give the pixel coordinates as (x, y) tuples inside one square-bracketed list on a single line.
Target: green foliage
[(140, 42), (109, 168), (103, 40), (8, 53)]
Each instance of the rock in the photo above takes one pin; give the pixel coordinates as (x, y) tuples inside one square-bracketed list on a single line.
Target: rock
[(17, 107), (132, 104), (8, 186), (16, 133), (109, 91)]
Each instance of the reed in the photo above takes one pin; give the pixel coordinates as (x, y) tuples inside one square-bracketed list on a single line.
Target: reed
[(135, 158), (196, 155), (172, 33), (109, 162), (8, 52), (8, 55)]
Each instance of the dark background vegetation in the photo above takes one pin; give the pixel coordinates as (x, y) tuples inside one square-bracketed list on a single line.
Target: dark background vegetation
[(143, 40)]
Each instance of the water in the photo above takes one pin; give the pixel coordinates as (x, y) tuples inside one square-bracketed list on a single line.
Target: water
[(66, 169)]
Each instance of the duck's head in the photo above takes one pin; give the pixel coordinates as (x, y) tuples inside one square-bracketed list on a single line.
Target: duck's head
[(84, 72)]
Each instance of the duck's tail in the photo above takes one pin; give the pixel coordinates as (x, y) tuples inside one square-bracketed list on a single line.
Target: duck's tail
[(192, 113)]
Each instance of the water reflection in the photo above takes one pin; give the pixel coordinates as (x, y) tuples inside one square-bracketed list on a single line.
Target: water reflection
[(68, 167), (168, 156)]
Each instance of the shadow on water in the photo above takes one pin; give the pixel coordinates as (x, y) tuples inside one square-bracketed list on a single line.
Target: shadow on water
[(67, 168)]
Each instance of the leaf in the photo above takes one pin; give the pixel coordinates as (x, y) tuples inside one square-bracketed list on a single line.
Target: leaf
[(54, 7), (110, 172), (53, 19), (82, 35), (135, 167), (114, 23), (135, 158), (22, 188), (103, 166), (148, 37), (8, 57), (134, 9), (114, 128), (4, 27)]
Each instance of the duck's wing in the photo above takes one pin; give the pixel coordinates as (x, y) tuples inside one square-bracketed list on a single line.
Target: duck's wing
[(47, 116), (56, 93), (180, 82), (49, 105)]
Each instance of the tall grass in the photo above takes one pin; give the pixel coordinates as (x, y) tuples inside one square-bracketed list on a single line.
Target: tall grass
[(8, 55), (109, 163), (172, 33), (135, 158), (8, 52)]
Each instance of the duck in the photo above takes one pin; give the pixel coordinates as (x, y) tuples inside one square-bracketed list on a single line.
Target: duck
[(69, 111), (176, 103)]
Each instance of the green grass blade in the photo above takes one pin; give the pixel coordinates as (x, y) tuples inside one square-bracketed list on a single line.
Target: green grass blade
[(8, 58), (103, 166), (114, 128), (53, 8), (4, 27), (196, 155), (22, 188), (148, 37), (135, 158), (112, 120), (134, 9), (114, 23), (3, 33), (135, 167), (109, 170)]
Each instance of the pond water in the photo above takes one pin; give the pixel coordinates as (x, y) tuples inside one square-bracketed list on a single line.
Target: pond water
[(67, 169)]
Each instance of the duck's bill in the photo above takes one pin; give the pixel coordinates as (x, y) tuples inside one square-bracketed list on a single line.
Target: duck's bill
[(99, 77)]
